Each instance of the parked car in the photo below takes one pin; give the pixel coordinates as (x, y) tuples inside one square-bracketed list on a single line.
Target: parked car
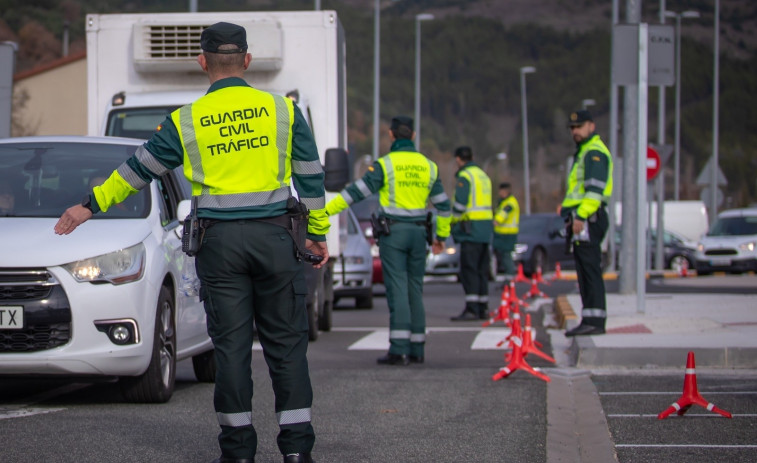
[(353, 266), (731, 243), (447, 263), (541, 243), (117, 297), (363, 211), (677, 251)]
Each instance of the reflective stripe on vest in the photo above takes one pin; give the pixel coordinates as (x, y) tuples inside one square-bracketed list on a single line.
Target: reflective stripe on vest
[(408, 178), (576, 183), (506, 223), (237, 147), (479, 205)]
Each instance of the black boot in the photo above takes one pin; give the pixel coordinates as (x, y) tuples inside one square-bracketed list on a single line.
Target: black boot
[(233, 460), (393, 359), (467, 315), (298, 458)]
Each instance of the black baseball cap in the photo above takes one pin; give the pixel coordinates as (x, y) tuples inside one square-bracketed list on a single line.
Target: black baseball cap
[(224, 34), (579, 117), (402, 120)]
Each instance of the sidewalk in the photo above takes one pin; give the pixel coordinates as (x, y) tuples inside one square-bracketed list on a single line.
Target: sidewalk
[(720, 328)]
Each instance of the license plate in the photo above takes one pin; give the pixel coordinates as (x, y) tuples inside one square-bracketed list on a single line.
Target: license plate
[(11, 317), (720, 262)]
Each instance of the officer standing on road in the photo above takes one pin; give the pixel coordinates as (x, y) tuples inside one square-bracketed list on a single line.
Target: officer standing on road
[(473, 228), (585, 210), (506, 220), (405, 181), (247, 263)]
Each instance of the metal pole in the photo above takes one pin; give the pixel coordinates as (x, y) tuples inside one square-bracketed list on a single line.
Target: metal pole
[(658, 261), (418, 19), (317, 5), (524, 112), (193, 6), (613, 139), (376, 77), (715, 115), (677, 135), (640, 110)]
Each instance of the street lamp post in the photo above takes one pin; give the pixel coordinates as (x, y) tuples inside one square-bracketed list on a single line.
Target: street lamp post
[(376, 75), (418, 19), (677, 135), (526, 180)]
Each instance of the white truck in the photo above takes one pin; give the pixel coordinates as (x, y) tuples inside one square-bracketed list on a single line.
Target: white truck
[(140, 67)]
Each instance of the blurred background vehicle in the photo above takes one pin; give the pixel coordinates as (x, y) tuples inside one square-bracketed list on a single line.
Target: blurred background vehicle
[(353, 266), (541, 243), (363, 211), (731, 243), (446, 265), (677, 251)]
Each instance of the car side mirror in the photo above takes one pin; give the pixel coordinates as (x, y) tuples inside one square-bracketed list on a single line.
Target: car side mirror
[(336, 168)]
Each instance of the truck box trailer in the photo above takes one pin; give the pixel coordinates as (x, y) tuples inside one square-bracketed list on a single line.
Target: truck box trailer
[(140, 67)]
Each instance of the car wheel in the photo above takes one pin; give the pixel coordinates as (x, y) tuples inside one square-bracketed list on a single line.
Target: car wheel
[(157, 383), (677, 263), (538, 261), (312, 309), (204, 366), (365, 301)]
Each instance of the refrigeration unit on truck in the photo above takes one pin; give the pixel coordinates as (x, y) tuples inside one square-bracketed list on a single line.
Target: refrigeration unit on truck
[(140, 67)]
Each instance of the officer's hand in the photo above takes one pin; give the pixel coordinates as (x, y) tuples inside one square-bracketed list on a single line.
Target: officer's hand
[(437, 247), (320, 248), (72, 218), (578, 226)]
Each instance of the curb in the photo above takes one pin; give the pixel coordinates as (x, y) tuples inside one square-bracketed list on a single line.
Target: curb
[(563, 311)]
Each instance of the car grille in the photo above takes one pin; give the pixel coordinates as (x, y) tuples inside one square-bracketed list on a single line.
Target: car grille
[(46, 310), (720, 252)]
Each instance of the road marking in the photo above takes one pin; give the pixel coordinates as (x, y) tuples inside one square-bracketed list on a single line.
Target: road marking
[(7, 413), (377, 340), (488, 339), (22, 410), (698, 446)]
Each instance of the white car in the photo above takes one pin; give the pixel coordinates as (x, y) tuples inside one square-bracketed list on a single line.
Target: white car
[(117, 297), (731, 243)]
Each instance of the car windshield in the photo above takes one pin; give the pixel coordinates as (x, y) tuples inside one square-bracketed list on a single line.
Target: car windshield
[(44, 178), (532, 225), (136, 122), (366, 207), (734, 226)]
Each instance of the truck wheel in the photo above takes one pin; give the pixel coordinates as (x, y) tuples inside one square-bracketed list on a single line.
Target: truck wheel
[(157, 383), (204, 366)]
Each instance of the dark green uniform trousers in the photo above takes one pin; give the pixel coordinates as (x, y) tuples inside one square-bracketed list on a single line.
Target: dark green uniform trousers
[(474, 275), (588, 256), (504, 245), (249, 272), (403, 259)]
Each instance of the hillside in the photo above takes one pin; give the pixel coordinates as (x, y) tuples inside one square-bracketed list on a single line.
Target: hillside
[(471, 57)]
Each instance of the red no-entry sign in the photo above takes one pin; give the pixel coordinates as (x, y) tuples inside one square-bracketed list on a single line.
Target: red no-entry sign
[(653, 163)]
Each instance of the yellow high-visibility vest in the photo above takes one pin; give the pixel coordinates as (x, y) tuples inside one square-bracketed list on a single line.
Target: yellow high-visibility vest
[(479, 205), (506, 223)]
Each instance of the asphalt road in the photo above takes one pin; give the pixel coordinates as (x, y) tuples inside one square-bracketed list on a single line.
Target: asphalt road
[(446, 410)]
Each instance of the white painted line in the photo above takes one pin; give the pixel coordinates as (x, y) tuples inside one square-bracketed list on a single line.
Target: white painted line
[(679, 393), (377, 340), (22, 412), (488, 339), (698, 446), (710, 415), (439, 329)]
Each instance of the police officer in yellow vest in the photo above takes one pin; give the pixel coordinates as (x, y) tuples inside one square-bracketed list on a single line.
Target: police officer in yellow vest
[(241, 149), (406, 182), (473, 228), (584, 209), (506, 220)]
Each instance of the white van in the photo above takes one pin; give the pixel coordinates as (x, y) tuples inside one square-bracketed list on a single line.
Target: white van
[(731, 243)]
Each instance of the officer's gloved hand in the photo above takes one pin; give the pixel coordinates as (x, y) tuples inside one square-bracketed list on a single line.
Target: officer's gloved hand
[(320, 248)]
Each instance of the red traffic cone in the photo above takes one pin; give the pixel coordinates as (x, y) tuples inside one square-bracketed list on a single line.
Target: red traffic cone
[(515, 327), (691, 395), (514, 301), (520, 276), (558, 273), (517, 363), (529, 345), (503, 310), (684, 272), (539, 278), (534, 291)]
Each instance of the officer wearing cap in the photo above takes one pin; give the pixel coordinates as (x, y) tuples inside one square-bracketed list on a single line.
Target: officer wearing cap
[(473, 228), (241, 148), (584, 209), (406, 181), (506, 222)]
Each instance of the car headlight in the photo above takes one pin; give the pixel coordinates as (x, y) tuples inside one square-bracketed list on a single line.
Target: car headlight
[(117, 267), (700, 247), (451, 250), (748, 247), (374, 250), (520, 248), (353, 260)]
